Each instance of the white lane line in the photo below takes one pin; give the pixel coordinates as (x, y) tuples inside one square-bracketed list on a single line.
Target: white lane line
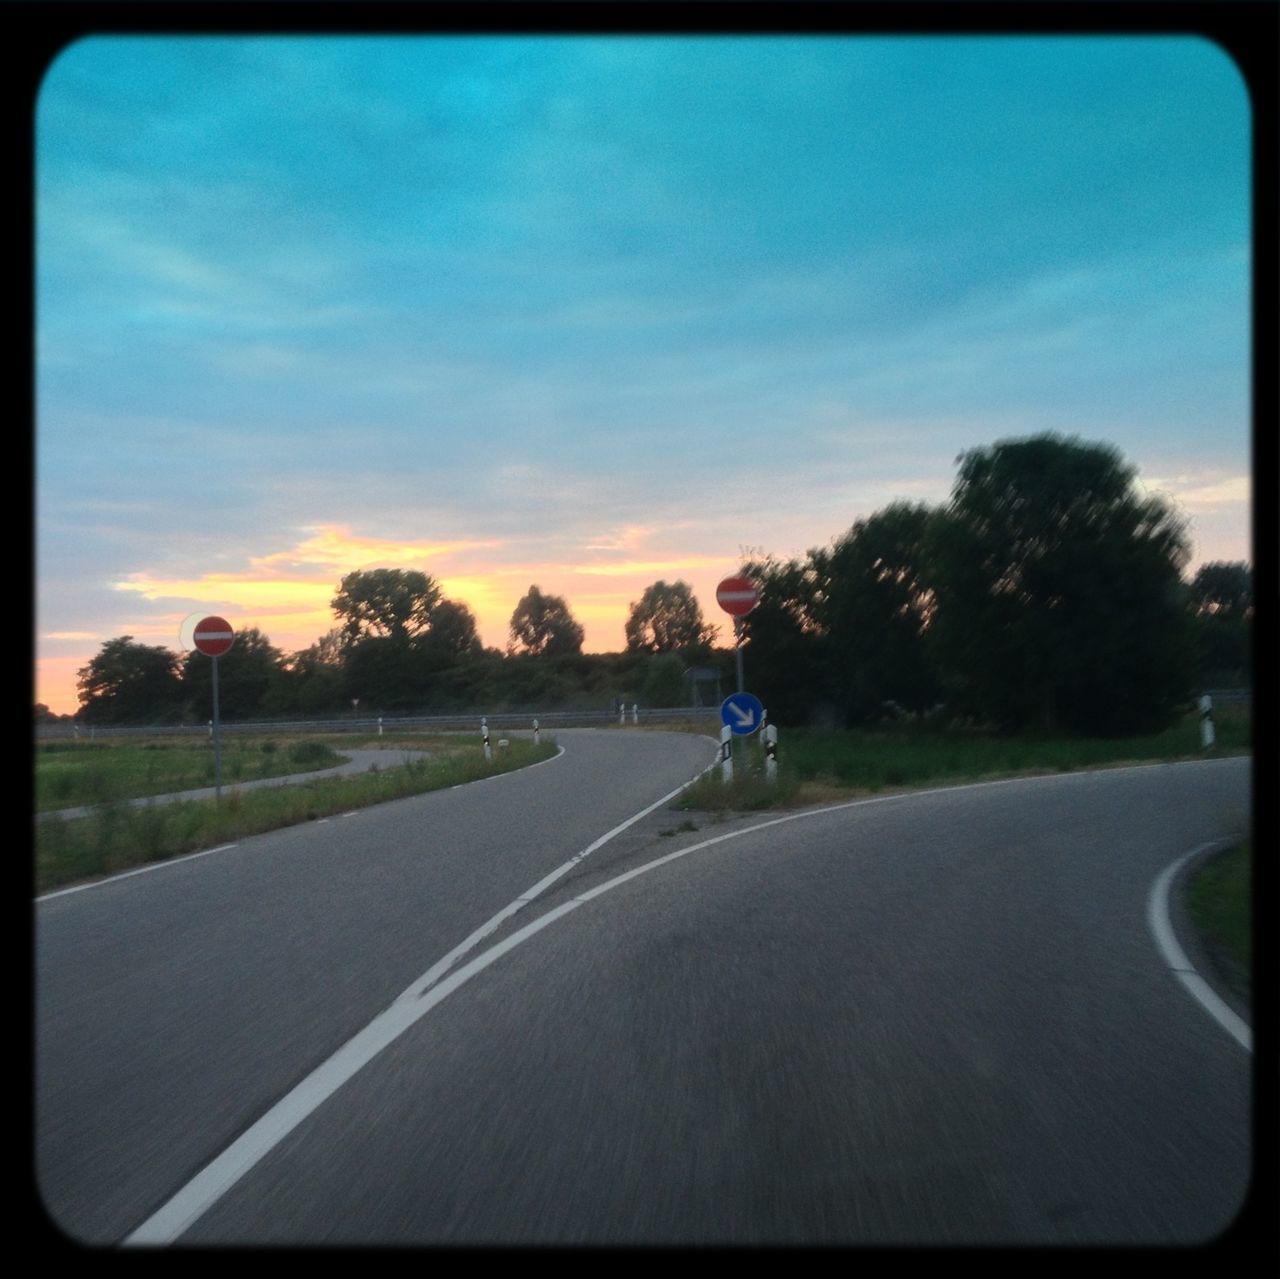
[(442, 965), (194, 1199), (140, 870), (1162, 929), (208, 1186)]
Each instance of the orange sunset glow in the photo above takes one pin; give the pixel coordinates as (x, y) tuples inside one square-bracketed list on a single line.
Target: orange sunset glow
[(286, 593)]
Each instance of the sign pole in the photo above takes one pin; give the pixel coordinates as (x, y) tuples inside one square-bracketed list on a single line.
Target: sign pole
[(737, 651), (217, 738), (213, 636)]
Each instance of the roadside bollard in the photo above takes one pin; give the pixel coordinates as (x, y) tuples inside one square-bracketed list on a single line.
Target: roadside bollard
[(771, 753), (379, 725), (726, 754), (1206, 722), (484, 733), (622, 715), (635, 713), (211, 728), (536, 737)]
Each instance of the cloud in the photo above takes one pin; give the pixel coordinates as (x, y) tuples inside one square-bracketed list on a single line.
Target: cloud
[(1202, 493)]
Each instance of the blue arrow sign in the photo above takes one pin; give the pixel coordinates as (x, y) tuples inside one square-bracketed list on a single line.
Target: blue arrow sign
[(742, 712)]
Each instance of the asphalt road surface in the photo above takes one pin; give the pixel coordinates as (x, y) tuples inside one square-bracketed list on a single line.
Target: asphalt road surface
[(933, 1018)]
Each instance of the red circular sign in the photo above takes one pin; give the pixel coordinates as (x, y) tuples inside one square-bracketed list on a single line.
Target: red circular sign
[(213, 636), (737, 595)]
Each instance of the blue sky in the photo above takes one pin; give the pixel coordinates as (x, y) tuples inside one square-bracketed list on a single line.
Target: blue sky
[(591, 312)]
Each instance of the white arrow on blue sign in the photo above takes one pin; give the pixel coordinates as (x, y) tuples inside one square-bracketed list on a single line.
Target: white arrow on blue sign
[(743, 713)]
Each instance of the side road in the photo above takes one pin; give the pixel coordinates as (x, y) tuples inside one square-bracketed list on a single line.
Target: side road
[(357, 762)]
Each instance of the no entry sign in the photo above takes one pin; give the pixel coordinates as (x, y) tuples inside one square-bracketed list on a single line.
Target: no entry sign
[(737, 595), (213, 636)]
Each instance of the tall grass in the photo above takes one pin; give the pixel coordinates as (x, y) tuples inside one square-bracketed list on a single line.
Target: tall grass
[(116, 836), (817, 763), (71, 775), (1220, 901)]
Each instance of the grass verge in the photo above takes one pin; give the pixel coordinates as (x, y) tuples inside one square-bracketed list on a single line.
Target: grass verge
[(117, 836), (1219, 900), (73, 774), (817, 765)]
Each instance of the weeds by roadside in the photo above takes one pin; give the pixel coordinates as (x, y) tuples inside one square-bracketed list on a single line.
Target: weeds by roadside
[(116, 836)]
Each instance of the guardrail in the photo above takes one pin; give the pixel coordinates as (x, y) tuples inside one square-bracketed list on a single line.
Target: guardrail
[(468, 721)]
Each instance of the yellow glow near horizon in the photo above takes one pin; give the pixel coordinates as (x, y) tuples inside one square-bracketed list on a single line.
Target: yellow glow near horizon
[(286, 593)]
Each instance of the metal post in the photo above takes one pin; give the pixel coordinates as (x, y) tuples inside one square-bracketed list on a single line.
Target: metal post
[(726, 754), (737, 651), (1206, 723), (217, 738)]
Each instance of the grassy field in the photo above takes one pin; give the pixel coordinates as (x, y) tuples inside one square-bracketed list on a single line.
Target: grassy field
[(117, 836), (73, 774), (816, 765), (1219, 899)]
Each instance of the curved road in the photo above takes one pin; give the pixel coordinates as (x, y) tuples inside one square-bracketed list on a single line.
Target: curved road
[(931, 1018)]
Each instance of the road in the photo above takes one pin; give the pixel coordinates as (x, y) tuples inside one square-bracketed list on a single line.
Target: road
[(935, 1018)]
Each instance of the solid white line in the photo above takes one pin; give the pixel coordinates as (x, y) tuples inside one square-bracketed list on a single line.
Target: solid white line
[(197, 1196), (1162, 929), (140, 870), (441, 966), (207, 1187)]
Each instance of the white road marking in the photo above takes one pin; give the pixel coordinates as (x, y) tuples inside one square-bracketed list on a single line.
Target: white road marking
[(1162, 929), (139, 870), (194, 1199)]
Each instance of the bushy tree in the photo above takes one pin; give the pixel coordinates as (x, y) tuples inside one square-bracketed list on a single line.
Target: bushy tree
[(128, 683), (250, 673), (313, 676), (386, 603), (543, 625), (1059, 600), (452, 635), (785, 639), (879, 609), (1221, 599), (664, 682), (667, 619)]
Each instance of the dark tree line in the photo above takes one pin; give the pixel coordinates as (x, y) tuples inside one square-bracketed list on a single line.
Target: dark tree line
[(401, 646), (1047, 594)]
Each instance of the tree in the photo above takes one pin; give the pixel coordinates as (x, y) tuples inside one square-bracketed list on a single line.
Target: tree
[(452, 636), (542, 624), (1223, 590), (250, 673), (664, 682), (129, 683), (386, 603), (313, 676), (880, 605), (1221, 599), (785, 639), (667, 619), (1059, 598)]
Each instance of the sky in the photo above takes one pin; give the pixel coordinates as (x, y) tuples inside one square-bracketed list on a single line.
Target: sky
[(593, 312)]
